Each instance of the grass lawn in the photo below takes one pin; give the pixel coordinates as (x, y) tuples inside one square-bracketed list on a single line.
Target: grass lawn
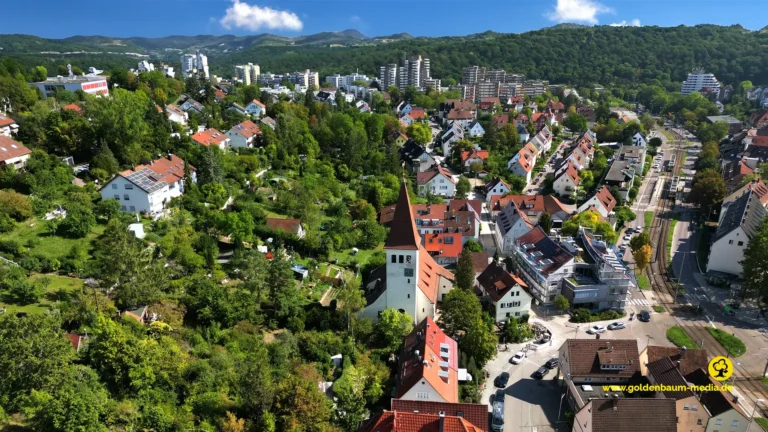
[(730, 342), (658, 309), (677, 336), (667, 134), (643, 283), (648, 220), (44, 243), (59, 289), (762, 421), (345, 257), (670, 236)]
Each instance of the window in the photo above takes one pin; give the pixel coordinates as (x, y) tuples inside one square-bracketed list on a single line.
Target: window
[(694, 407), (117, 197), (409, 296), (133, 208), (698, 421), (686, 407), (730, 241), (128, 186), (734, 423), (401, 259), (718, 422), (507, 315), (517, 313), (394, 259), (114, 185), (741, 243), (126, 197)]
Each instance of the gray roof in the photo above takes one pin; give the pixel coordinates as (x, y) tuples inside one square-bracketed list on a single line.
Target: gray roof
[(146, 180), (617, 172), (723, 118), (734, 214)]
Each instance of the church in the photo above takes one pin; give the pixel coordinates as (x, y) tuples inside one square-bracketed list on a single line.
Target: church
[(410, 281)]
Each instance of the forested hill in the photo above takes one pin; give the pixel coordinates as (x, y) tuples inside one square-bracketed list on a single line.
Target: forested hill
[(562, 54), (584, 55)]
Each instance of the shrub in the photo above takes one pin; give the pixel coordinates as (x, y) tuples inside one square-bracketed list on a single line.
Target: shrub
[(730, 342), (15, 205), (582, 315), (12, 247)]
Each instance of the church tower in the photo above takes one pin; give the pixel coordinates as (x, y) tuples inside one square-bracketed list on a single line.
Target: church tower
[(402, 249)]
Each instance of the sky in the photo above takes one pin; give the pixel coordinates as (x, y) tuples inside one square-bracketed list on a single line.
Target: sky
[(155, 18)]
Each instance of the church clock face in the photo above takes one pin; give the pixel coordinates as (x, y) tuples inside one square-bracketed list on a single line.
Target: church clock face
[(408, 272)]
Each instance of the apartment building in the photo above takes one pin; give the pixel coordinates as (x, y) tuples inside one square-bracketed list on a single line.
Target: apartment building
[(414, 71), (543, 263), (698, 80), (192, 64), (248, 74)]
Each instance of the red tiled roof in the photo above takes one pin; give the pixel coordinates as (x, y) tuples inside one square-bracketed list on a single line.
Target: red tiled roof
[(501, 119), (257, 102), (446, 245), (522, 117), (427, 338), (460, 115), (287, 225), (474, 153), (429, 275), (247, 129), (220, 94), (209, 137), (424, 177), (690, 361), (403, 234), (586, 355), (10, 149), (529, 203), (463, 204), (606, 199), (175, 109), (71, 106), (395, 421), (555, 106), (571, 172), (169, 169), (497, 281), (477, 414), (417, 113), (479, 261)]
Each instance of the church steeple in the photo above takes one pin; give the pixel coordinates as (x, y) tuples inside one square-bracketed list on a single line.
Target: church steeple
[(403, 234)]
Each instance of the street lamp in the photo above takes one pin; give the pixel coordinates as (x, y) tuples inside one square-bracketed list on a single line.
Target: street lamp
[(751, 418)]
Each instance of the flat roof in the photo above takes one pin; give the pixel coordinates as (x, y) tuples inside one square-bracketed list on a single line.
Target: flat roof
[(72, 79)]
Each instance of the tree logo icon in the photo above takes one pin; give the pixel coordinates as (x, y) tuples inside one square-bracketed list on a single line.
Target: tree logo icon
[(720, 368)]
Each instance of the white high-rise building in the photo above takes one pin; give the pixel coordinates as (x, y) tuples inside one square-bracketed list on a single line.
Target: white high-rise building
[(698, 80), (145, 66), (194, 64), (413, 72), (248, 74)]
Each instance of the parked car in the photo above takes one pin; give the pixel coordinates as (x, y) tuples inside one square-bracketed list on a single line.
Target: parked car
[(502, 380), (551, 363), (618, 325), (499, 396), (596, 329), (541, 372), (517, 358), (644, 316)]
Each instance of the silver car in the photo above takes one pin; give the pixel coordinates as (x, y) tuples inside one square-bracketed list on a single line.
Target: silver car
[(618, 325)]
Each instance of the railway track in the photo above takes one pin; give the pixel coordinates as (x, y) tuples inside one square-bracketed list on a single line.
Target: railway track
[(661, 278)]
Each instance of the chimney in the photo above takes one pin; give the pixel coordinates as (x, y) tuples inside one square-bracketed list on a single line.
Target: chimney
[(170, 156), (441, 424), (615, 403), (677, 364), (683, 350)]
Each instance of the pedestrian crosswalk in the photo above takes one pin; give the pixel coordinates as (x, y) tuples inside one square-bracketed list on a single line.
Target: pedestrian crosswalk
[(639, 302)]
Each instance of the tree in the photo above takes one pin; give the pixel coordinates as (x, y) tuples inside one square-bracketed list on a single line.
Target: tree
[(392, 326), (462, 188), (465, 270), (107, 208), (642, 257), (575, 122), (460, 309), (708, 191), (655, 142), (561, 303), (517, 331), (419, 132), (79, 221), (232, 424), (639, 241), (755, 264), (473, 245), (479, 342), (545, 222), (348, 390)]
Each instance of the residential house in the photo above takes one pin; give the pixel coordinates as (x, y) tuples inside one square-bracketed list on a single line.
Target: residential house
[(759, 119), (522, 131), (601, 280), (543, 140), (588, 112), (400, 138), (255, 108), (740, 220), (176, 114), (611, 414), (456, 105), (507, 292), (567, 181), (444, 247), (511, 224), (602, 201), (621, 175), (8, 126), (542, 263), (523, 162), (464, 118), (192, 105), (13, 153), (244, 135), (586, 364), (406, 120), (73, 107), (496, 186), (148, 188), (639, 140), (476, 414), (212, 137), (428, 365), (78, 341), (451, 134), (533, 206), (411, 280), (292, 226), (691, 415), (475, 129), (417, 113), (500, 120), (268, 121), (686, 360), (556, 107), (725, 410), (403, 109), (734, 125), (139, 314), (437, 181), (474, 156), (416, 157), (399, 421), (635, 155), (464, 221)]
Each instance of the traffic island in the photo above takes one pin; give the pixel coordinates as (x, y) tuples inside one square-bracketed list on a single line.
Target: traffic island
[(679, 337), (731, 343)]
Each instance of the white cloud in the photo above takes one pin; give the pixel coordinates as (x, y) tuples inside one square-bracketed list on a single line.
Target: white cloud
[(578, 11), (253, 18), (623, 23)]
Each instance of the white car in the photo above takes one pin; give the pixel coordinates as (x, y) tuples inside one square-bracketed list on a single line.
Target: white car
[(596, 329), (517, 358), (618, 325)]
